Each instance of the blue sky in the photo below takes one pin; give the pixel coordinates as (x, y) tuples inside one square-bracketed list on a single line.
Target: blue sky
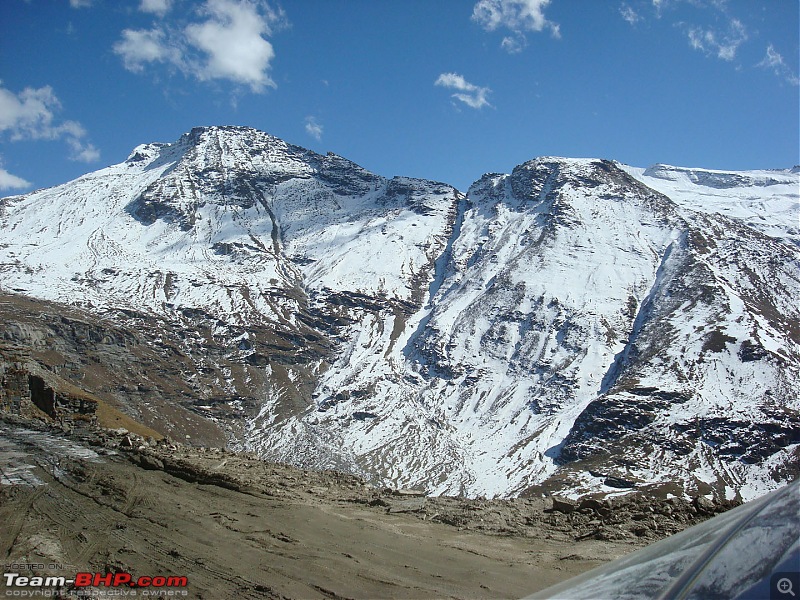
[(440, 89)]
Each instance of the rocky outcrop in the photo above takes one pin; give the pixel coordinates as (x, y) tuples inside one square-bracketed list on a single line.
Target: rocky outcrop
[(72, 361), (26, 394)]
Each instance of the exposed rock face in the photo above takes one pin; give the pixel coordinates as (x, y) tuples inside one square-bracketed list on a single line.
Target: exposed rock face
[(26, 394), (15, 393), (565, 326), (136, 370)]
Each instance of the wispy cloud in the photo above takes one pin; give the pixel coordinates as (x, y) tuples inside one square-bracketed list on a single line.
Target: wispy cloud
[(472, 95), (723, 45), (773, 61), (12, 182), (157, 7), (80, 3), (517, 16), (630, 15), (226, 41), (82, 152), (313, 128), (711, 27), (138, 47), (514, 44), (31, 115)]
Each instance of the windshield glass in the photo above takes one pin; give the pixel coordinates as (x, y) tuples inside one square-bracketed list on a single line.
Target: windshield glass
[(732, 555)]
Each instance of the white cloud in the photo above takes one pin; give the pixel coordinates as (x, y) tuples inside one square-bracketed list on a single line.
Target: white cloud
[(11, 182), (468, 93), (140, 46), (158, 7), (773, 60), (80, 3), (227, 42), (313, 128), (31, 115), (518, 16), (630, 15), (722, 35), (723, 46), (232, 39)]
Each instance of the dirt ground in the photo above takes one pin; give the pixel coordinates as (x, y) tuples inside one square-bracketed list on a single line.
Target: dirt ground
[(238, 527)]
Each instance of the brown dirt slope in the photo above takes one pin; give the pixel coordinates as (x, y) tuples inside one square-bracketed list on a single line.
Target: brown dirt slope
[(238, 527)]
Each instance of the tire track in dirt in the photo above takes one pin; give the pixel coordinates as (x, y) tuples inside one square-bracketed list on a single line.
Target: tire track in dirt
[(14, 516), (141, 535)]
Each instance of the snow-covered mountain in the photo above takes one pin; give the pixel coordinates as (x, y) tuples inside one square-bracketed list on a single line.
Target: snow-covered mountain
[(764, 200), (573, 324)]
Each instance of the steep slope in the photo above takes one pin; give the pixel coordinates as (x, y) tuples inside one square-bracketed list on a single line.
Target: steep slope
[(239, 239), (565, 326), (706, 386), (565, 284)]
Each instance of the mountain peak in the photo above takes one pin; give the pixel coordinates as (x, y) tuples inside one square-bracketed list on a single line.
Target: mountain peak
[(201, 131)]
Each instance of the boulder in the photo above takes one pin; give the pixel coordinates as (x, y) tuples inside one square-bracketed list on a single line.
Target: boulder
[(618, 482), (408, 493), (564, 505), (151, 463), (703, 505), (598, 506)]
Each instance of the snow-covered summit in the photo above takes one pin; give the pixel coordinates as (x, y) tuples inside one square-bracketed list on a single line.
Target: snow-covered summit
[(768, 200), (721, 179)]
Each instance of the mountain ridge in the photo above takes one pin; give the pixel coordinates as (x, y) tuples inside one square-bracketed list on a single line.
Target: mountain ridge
[(482, 344)]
